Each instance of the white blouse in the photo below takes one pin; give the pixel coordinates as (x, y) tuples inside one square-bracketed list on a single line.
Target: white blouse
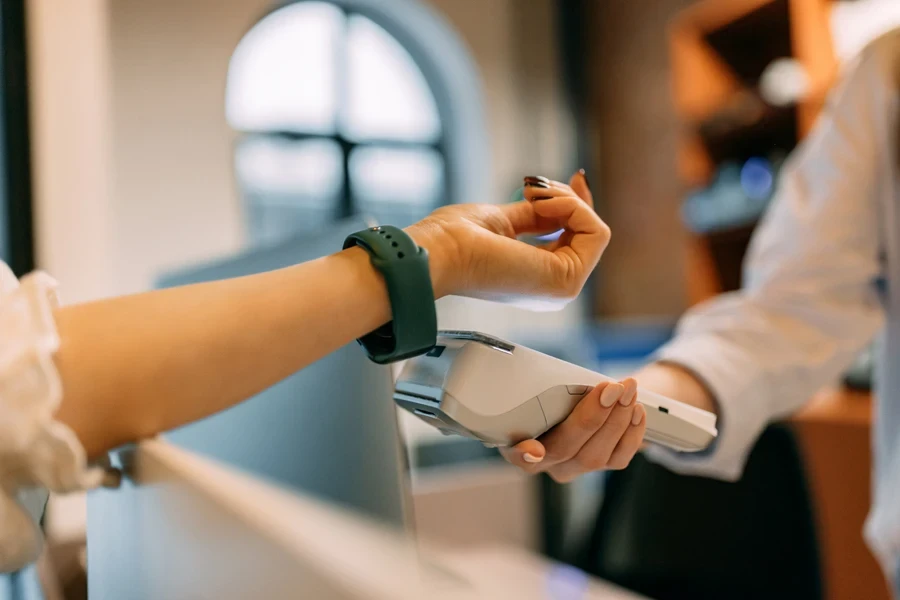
[(37, 453)]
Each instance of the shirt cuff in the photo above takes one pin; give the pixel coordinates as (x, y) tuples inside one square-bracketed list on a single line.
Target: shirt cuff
[(741, 418)]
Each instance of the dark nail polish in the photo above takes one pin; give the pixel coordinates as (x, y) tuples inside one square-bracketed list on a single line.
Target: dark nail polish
[(583, 174), (538, 182), (536, 198)]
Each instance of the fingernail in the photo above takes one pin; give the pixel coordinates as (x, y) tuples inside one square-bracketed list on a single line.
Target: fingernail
[(531, 458), (586, 182), (536, 198), (537, 181), (537, 184), (611, 394), (628, 397), (638, 415)]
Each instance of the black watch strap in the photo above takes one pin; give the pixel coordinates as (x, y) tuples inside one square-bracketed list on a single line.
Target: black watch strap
[(404, 266)]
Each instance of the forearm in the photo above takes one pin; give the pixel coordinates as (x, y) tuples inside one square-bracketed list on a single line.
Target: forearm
[(135, 366)]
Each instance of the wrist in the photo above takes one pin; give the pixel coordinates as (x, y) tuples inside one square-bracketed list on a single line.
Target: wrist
[(677, 382), (406, 272), (440, 263)]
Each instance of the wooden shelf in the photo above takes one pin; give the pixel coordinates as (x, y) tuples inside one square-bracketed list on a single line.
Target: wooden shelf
[(752, 40), (709, 15), (718, 50), (749, 130), (710, 42), (811, 41)]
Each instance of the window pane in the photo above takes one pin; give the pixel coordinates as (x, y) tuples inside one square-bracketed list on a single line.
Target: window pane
[(289, 186), (396, 186), (388, 95), (282, 74)]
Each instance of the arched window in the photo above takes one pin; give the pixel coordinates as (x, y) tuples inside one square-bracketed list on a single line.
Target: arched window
[(337, 117)]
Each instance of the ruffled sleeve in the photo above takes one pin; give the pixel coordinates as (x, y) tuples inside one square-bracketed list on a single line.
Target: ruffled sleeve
[(37, 453)]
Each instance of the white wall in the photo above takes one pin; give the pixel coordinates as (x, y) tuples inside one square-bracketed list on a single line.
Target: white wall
[(514, 45), (70, 87), (175, 197), (132, 154)]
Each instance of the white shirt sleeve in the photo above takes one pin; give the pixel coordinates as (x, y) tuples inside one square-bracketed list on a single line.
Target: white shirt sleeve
[(810, 302), (37, 453)]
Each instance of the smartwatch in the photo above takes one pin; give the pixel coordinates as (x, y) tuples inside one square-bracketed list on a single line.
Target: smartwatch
[(404, 266)]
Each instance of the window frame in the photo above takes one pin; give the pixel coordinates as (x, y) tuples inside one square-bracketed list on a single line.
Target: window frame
[(442, 59)]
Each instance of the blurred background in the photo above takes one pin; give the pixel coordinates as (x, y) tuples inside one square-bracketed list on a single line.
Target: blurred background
[(142, 138)]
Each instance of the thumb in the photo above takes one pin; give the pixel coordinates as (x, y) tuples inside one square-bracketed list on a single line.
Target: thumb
[(579, 184), (526, 455)]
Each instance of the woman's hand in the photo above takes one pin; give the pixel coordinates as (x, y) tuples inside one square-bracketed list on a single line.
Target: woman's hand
[(607, 427), (604, 431), (474, 252)]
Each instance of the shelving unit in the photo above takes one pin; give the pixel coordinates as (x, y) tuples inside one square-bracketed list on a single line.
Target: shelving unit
[(719, 49)]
